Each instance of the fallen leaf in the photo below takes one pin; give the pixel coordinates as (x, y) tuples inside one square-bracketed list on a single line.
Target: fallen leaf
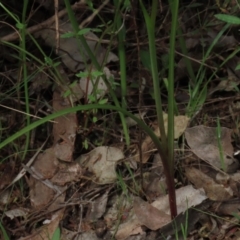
[(148, 215), (70, 235), (204, 143), (180, 124), (46, 231), (17, 212), (69, 47), (97, 207), (186, 197), (102, 162), (154, 182), (215, 191), (230, 207), (67, 173)]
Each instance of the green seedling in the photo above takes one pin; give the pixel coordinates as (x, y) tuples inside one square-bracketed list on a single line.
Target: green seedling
[(96, 64)]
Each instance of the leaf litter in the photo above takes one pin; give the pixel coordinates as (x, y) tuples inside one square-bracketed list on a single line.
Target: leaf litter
[(91, 191)]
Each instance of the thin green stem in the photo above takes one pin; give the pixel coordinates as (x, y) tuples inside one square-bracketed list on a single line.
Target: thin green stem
[(97, 66), (154, 69), (167, 143), (25, 73), (121, 52), (172, 193)]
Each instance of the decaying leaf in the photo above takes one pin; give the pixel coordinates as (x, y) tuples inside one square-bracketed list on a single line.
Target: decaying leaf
[(47, 231), (186, 197), (97, 207), (148, 215), (154, 182), (102, 162), (180, 124), (204, 143), (215, 191), (17, 212), (67, 173), (230, 207), (70, 235), (48, 177), (69, 52)]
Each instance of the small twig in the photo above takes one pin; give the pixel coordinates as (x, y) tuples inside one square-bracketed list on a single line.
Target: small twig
[(15, 110), (14, 36), (56, 5), (92, 16), (195, 60)]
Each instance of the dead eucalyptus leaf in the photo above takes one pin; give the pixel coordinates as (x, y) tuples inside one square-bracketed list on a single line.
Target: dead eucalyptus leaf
[(180, 124), (215, 191), (203, 142), (102, 162)]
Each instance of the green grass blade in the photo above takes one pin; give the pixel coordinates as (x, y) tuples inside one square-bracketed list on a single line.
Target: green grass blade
[(25, 74), (171, 86), (4, 232), (154, 70), (83, 108)]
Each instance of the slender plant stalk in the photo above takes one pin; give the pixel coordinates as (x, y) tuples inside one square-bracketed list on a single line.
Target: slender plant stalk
[(25, 74), (121, 52), (172, 193), (150, 22), (167, 140)]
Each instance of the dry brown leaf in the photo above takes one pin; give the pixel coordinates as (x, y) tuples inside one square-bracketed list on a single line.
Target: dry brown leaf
[(47, 231), (45, 164), (47, 171), (226, 208), (70, 235), (180, 124), (67, 173), (64, 130), (186, 197), (204, 143), (154, 182), (150, 216), (102, 162), (215, 191), (97, 207), (131, 227), (69, 47)]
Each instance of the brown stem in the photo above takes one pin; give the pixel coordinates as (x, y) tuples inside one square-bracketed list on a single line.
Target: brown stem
[(170, 182)]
